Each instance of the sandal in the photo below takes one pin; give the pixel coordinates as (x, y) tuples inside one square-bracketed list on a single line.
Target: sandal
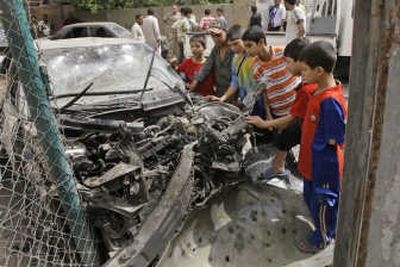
[(269, 174), (306, 246)]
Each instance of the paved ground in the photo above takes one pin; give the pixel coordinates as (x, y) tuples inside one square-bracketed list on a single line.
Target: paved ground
[(2, 87), (248, 226)]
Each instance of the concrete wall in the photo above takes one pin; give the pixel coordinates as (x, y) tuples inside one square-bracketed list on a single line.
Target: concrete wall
[(237, 13), (56, 13)]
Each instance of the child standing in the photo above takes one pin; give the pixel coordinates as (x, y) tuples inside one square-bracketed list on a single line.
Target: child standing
[(190, 66), (322, 143), (242, 72), (288, 127), (270, 65)]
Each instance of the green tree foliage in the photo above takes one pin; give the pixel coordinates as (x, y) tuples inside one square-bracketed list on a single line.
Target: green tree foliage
[(98, 5)]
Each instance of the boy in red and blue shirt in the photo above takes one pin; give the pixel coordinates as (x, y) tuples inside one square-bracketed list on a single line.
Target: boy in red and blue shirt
[(322, 143), (288, 127)]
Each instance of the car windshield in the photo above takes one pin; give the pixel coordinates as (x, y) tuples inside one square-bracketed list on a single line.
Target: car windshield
[(111, 68), (119, 30)]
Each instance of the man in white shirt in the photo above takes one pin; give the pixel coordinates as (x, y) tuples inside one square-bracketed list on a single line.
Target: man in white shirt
[(151, 30), (136, 29), (296, 21), (276, 16)]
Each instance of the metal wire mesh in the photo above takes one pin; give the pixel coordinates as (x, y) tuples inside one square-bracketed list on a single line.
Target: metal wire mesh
[(41, 220)]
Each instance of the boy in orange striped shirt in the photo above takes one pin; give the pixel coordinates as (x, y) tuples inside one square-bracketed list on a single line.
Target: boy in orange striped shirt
[(280, 93), (270, 62)]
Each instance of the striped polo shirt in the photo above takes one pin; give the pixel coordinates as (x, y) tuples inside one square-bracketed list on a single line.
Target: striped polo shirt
[(280, 92)]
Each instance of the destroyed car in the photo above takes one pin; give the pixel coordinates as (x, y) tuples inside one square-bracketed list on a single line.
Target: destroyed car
[(144, 152)]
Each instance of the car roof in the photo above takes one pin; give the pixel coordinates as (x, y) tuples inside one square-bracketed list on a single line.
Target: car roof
[(46, 44), (95, 23)]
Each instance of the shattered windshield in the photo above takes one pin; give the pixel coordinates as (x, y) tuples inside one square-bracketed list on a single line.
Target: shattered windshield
[(119, 30), (111, 68)]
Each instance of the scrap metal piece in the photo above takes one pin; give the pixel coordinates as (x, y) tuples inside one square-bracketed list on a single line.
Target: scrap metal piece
[(99, 125), (251, 98), (116, 205), (227, 167), (162, 224), (118, 171)]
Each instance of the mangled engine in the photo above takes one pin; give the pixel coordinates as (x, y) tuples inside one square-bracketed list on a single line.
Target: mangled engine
[(123, 170), (221, 130)]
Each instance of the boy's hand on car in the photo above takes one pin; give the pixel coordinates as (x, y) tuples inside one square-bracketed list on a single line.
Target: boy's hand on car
[(256, 121), (192, 85), (214, 98), (259, 122)]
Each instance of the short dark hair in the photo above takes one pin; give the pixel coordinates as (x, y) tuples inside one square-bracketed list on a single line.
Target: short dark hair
[(138, 16), (199, 39), (234, 32), (319, 54), (150, 11), (292, 2), (207, 11), (254, 34), (253, 8), (189, 10), (220, 10), (294, 48)]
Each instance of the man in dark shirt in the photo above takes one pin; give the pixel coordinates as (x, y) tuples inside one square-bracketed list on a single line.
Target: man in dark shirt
[(255, 19)]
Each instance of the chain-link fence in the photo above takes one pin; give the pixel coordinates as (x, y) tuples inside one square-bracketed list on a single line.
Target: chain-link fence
[(41, 218)]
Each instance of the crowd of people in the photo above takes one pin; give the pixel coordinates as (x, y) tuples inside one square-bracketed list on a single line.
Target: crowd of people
[(178, 23), (287, 15), (302, 104)]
